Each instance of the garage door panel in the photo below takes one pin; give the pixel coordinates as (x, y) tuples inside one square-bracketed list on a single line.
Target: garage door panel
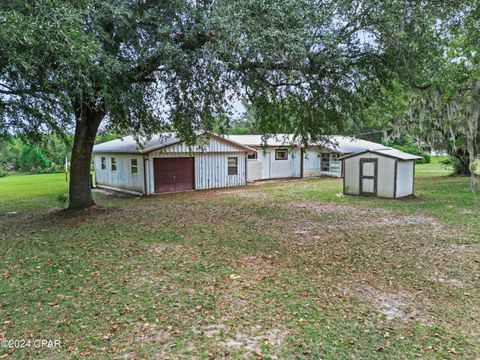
[(173, 174)]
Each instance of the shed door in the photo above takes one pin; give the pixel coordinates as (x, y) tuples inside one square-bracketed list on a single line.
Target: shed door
[(173, 174), (368, 176)]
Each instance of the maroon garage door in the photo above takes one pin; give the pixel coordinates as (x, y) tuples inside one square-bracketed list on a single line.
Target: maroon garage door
[(173, 174)]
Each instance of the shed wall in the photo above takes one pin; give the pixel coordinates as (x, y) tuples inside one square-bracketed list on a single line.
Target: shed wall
[(405, 175), (122, 178), (385, 175)]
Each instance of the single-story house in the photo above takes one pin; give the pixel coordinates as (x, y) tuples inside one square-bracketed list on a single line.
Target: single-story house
[(281, 157), (165, 163)]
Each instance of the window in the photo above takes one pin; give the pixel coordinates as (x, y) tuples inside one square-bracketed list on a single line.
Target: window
[(281, 154), (104, 163), (134, 166), (325, 162), (114, 164), (232, 166), (252, 156)]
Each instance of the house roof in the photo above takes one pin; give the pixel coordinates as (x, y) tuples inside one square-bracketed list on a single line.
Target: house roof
[(130, 145), (393, 153), (337, 143)]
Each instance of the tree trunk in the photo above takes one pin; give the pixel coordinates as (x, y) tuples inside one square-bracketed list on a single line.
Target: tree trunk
[(87, 123), (463, 162)]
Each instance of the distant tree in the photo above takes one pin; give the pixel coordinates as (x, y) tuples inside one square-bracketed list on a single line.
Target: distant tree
[(10, 149), (32, 158)]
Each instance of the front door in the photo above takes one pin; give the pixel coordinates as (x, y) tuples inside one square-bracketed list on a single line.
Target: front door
[(368, 176), (173, 174)]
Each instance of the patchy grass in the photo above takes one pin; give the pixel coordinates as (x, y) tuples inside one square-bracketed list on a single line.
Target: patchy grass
[(286, 269)]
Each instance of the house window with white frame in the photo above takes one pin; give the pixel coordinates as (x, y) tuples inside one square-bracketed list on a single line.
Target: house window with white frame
[(114, 164), (103, 163), (134, 166)]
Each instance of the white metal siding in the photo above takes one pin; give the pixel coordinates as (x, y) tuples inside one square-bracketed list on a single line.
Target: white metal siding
[(311, 162), (386, 176), (351, 176), (254, 168), (405, 178), (205, 145), (122, 178), (211, 170)]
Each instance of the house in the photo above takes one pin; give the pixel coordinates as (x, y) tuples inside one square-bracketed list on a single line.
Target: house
[(165, 163), (275, 157), (281, 156), (386, 173)]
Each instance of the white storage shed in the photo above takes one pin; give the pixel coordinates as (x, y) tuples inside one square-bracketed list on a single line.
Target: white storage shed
[(385, 173)]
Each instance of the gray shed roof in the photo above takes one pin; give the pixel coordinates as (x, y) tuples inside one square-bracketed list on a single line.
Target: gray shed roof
[(341, 144), (393, 153)]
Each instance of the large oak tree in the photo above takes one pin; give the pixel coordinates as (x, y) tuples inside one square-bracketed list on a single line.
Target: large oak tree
[(150, 65)]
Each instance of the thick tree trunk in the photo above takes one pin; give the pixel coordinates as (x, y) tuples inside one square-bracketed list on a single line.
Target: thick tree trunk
[(87, 123), (463, 166)]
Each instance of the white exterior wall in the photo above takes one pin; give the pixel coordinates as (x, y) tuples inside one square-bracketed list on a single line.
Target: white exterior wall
[(211, 169), (385, 175), (266, 167), (206, 145), (311, 162), (405, 173), (122, 178), (254, 167)]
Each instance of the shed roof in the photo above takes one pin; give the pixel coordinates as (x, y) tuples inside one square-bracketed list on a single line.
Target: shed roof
[(338, 143), (393, 153), (130, 145)]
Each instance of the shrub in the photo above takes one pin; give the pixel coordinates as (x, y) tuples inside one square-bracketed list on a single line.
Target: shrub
[(3, 173), (457, 166), (415, 150), (62, 199)]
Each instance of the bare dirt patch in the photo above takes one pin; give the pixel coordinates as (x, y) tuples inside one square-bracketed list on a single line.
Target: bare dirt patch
[(247, 339), (443, 279), (396, 307), (245, 193), (146, 334), (256, 267), (347, 216)]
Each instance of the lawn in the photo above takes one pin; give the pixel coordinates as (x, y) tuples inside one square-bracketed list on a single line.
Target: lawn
[(286, 269)]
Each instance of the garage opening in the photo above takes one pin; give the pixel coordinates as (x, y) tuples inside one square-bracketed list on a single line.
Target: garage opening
[(173, 174)]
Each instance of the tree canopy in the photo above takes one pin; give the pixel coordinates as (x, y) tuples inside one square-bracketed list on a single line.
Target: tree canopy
[(150, 65)]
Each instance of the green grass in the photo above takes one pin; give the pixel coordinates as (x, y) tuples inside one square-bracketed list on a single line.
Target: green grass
[(289, 269), (21, 192)]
